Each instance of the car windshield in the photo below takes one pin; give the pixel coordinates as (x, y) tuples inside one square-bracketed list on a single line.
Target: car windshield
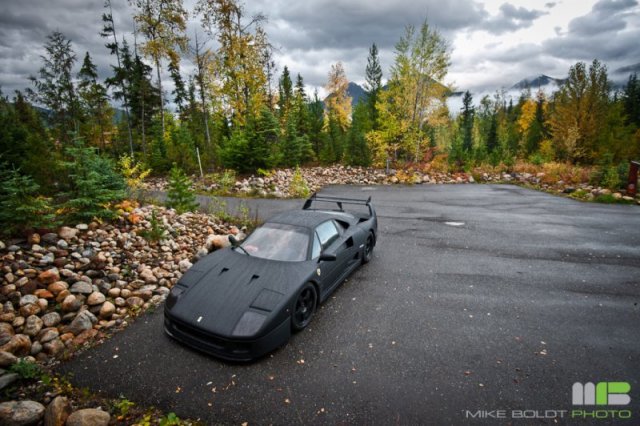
[(278, 242)]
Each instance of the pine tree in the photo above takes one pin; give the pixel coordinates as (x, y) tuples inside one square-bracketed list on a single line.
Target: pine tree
[(180, 95), (109, 31), (285, 95), (98, 113), (466, 122), (21, 205), (180, 196), (373, 84), (54, 87)]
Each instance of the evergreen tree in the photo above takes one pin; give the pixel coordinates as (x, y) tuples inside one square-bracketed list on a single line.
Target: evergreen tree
[(316, 124), (54, 87), (98, 113), (466, 122), (373, 83), (180, 95), (92, 185), (631, 101), (180, 196), (285, 95), (108, 32), (356, 150), (21, 205)]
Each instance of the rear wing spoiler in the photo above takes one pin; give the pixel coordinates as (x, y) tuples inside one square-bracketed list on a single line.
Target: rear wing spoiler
[(339, 201)]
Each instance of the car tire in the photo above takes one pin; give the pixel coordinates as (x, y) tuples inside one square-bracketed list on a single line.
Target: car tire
[(304, 307), (367, 251)]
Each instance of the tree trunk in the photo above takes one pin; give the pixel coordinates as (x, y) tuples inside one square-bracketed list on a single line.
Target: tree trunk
[(161, 95)]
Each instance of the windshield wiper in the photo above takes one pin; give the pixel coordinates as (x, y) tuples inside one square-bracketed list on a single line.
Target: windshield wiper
[(243, 249)]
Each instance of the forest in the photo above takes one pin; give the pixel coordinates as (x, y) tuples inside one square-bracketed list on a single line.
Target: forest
[(72, 139)]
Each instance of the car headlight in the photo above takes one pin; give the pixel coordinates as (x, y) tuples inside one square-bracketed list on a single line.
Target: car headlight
[(249, 324)]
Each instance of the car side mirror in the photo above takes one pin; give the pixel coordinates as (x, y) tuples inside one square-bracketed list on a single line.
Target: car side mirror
[(233, 240), (327, 257)]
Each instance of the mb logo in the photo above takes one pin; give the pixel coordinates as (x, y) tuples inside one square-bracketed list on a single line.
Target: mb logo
[(603, 393)]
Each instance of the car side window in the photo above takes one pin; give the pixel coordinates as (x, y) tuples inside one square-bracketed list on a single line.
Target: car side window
[(327, 232), (317, 248)]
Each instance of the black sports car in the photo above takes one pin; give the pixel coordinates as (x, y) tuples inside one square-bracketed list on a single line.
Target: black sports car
[(244, 301)]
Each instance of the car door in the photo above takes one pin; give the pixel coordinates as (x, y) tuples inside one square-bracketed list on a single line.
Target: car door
[(327, 240)]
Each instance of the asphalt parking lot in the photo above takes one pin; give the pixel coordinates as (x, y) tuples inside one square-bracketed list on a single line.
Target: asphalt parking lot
[(479, 297)]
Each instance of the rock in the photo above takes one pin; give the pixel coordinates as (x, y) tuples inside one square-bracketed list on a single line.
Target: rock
[(89, 417), (184, 265), (81, 287), (21, 413), (569, 190), (85, 336), (54, 347), (49, 276), (135, 301), (57, 287), (70, 304), (6, 332), (82, 227), (83, 321), (67, 233), (57, 412), (7, 359), (617, 195), (107, 310), (95, 298), (51, 319), (147, 275), (605, 192), (33, 326), (7, 379), (30, 309), (42, 293), (19, 345), (48, 334), (36, 348), (28, 299), (62, 244), (215, 242), (627, 198)]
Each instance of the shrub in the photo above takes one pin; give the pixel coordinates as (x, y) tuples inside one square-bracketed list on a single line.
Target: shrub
[(298, 187), (92, 186), (156, 232), (26, 370), (21, 207), (133, 172), (180, 196)]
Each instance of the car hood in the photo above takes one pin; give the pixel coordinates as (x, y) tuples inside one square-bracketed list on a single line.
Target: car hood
[(224, 285)]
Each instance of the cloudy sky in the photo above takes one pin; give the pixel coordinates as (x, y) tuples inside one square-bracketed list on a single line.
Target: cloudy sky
[(494, 44)]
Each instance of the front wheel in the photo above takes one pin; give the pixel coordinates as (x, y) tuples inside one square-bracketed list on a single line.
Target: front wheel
[(368, 249), (305, 307)]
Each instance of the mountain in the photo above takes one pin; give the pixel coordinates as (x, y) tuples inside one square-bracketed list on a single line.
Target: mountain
[(539, 82), (354, 90)]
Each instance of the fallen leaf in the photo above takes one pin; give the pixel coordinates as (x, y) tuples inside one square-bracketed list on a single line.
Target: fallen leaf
[(467, 373), (178, 389), (287, 401)]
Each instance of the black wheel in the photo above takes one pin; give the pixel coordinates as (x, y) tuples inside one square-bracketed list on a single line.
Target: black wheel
[(368, 249), (305, 307)]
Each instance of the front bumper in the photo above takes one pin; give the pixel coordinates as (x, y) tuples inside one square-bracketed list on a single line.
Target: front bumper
[(229, 349)]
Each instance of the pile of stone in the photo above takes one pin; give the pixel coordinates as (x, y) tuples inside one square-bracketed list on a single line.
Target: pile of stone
[(277, 184), (62, 289)]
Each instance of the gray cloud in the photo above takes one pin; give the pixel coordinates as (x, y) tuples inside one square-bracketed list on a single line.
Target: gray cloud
[(511, 18), (311, 35)]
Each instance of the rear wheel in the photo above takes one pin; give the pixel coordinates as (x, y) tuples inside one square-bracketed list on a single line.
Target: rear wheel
[(305, 307), (368, 249)]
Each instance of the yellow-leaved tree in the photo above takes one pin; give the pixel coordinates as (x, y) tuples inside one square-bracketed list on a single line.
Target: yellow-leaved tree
[(416, 97)]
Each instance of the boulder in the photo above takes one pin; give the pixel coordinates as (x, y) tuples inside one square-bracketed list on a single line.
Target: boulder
[(49, 276), (89, 417), (57, 412), (67, 233), (7, 359), (19, 345), (95, 298), (107, 310), (83, 321), (81, 287), (21, 413), (6, 332), (7, 379), (51, 319), (33, 326)]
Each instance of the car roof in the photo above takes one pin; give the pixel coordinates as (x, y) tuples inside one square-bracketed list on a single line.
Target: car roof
[(308, 218)]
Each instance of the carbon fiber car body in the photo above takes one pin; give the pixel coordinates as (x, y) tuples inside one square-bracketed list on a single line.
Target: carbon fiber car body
[(239, 307)]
